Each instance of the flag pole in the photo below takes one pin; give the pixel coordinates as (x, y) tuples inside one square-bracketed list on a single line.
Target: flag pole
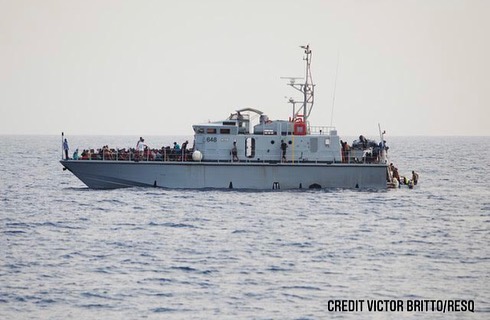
[(62, 136)]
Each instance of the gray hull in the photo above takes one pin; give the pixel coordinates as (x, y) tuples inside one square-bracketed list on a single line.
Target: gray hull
[(197, 175)]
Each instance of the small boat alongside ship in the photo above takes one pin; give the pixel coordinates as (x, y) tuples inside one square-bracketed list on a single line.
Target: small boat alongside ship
[(238, 153)]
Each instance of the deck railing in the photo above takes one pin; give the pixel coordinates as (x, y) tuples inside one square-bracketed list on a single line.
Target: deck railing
[(320, 129)]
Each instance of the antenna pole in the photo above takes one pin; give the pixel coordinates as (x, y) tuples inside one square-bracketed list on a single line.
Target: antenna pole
[(334, 89), (62, 136), (307, 89)]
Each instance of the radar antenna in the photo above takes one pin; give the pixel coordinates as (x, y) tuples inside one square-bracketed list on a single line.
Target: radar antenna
[(307, 89)]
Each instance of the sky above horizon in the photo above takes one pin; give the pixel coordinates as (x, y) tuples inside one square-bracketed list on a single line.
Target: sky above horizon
[(157, 67)]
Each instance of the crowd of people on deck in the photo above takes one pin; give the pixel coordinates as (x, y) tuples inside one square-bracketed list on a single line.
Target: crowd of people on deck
[(141, 152), (181, 153), (372, 150)]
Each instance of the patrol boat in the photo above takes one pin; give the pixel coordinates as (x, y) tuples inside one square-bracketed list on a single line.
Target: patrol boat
[(237, 153)]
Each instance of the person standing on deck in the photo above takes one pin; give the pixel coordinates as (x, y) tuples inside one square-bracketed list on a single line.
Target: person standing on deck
[(284, 146), (140, 145), (66, 148), (184, 150), (234, 152)]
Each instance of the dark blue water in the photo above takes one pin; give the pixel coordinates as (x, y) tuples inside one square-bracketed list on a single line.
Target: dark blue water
[(71, 252)]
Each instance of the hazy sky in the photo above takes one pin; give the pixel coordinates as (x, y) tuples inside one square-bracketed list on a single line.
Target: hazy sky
[(157, 67)]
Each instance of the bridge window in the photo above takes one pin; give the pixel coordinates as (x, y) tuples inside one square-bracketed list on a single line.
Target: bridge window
[(211, 130), (224, 131)]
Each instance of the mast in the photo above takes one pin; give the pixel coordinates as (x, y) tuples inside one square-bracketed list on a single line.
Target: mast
[(307, 89)]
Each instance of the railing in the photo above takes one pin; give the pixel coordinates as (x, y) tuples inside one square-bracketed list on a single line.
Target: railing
[(353, 156), (363, 156), (285, 129), (320, 129)]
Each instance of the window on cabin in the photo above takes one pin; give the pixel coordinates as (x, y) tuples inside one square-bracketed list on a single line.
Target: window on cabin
[(224, 131), (211, 130)]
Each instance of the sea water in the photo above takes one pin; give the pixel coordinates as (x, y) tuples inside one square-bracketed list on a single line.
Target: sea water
[(68, 252)]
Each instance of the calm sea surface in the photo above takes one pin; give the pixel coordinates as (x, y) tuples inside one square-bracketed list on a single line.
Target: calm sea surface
[(68, 252)]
